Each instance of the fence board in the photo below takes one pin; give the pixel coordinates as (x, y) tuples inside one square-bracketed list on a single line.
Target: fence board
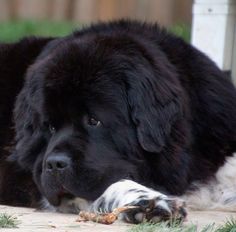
[(61, 10), (106, 9), (4, 10), (182, 11), (161, 11), (166, 12), (85, 11), (35, 9), (125, 9)]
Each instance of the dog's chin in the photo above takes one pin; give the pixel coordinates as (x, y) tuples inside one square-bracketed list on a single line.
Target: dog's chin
[(56, 196), (68, 204), (73, 205), (64, 201)]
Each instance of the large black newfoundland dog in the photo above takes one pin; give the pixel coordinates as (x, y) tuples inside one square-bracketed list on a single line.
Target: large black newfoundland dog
[(88, 120)]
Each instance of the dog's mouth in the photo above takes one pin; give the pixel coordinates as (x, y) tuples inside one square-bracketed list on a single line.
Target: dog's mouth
[(64, 193), (57, 197), (73, 205), (66, 202)]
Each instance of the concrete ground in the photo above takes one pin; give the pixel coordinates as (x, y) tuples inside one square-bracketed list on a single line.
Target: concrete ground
[(35, 221)]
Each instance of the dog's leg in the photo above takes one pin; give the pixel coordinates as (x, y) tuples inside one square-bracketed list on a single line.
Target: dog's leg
[(153, 205)]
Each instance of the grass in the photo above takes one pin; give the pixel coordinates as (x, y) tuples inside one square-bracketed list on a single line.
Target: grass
[(164, 227), (14, 30), (229, 226), (8, 221), (182, 30)]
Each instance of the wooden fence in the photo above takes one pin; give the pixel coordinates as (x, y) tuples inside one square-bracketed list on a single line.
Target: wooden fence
[(166, 12)]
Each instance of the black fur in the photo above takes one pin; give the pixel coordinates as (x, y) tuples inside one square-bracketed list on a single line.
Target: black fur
[(167, 113)]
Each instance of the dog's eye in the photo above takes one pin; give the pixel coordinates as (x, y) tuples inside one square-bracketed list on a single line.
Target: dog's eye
[(52, 129), (93, 122)]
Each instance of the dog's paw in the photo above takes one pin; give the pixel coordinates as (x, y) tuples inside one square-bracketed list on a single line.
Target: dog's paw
[(157, 209)]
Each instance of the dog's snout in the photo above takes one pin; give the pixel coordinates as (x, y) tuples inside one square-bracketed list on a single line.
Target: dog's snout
[(57, 162)]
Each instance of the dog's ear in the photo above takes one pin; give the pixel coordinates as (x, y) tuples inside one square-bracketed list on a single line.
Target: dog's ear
[(15, 59), (156, 102)]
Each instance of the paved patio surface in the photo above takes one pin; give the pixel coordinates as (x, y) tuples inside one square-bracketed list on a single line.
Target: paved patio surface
[(35, 221)]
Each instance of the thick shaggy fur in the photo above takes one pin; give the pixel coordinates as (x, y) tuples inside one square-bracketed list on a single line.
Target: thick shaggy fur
[(120, 100)]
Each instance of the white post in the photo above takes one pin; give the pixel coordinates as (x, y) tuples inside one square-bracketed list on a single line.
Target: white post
[(234, 59), (214, 32)]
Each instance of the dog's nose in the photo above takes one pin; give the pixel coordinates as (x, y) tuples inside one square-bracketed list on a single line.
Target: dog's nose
[(57, 162)]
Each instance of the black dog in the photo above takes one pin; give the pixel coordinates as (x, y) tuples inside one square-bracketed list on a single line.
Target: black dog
[(114, 103)]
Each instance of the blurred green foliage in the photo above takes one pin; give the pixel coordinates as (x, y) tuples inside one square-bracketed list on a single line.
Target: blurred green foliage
[(182, 30), (13, 30)]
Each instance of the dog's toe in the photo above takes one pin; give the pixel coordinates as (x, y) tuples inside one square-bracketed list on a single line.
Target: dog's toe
[(157, 209)]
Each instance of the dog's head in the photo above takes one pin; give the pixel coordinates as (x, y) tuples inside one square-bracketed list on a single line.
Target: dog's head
[(92, 109)]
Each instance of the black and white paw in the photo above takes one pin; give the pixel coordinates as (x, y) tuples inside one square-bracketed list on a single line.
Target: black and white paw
[(157, 209)]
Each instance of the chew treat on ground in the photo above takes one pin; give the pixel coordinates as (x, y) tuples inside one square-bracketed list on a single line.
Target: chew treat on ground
[(104, 218)]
